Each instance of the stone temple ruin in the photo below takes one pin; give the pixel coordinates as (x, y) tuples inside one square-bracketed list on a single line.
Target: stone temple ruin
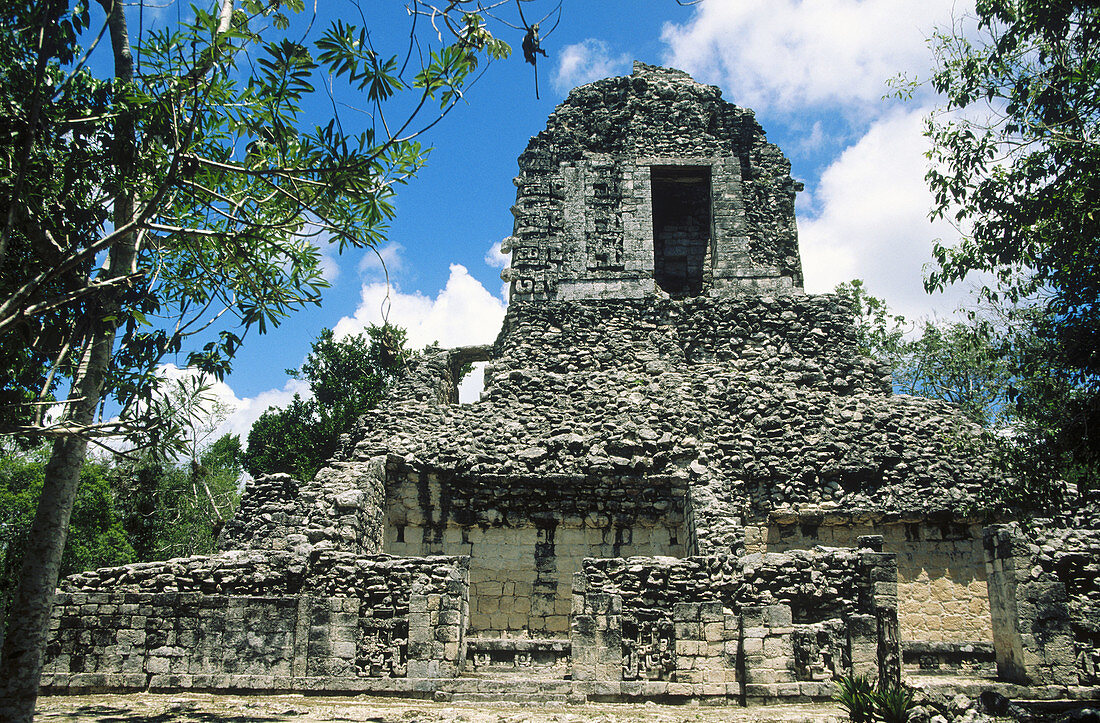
[(681, 481)]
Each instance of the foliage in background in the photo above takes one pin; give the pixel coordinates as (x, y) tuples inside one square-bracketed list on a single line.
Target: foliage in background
[(125, 511), (957, 361), (879, 333), (997, 370), (97, 537), (1047, 451), (346, 377), (1016, 153), (178, 510)]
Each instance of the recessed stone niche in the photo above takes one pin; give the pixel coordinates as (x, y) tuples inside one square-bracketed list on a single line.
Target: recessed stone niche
[(681, 227), (942, 591)]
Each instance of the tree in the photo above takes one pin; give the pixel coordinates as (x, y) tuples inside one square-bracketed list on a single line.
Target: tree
[(97, 537), (347, 377), (290, 440), (962, 362), (172, 510), (124, 511), (993, 366), (216, 185), (1017, 163), (55, 166), (958, 362), (879, 332)]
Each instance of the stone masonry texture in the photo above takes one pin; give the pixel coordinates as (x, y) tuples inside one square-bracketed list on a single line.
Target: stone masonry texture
[(682, 480)]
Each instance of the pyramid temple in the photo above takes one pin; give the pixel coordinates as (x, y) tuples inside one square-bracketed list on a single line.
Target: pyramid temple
[(682, 481)]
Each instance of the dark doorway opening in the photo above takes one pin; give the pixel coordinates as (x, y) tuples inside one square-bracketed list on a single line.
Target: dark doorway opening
[(681, 227)]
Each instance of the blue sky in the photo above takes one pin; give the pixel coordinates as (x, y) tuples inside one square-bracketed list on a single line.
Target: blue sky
[(815, 73)]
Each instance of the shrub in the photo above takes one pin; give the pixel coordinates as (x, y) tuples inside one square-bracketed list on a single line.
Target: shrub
[(856, 694), (893, 702)]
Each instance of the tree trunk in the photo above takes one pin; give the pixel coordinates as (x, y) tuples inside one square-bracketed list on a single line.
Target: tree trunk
[(28, 626), (24, 645)]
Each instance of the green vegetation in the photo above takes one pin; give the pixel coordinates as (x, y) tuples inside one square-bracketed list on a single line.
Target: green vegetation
[(125, 511), (962, 362), (347, 377), (893, 702), (865, 703), (1017, 165), (97, 537), (856, 695), (177, 510)]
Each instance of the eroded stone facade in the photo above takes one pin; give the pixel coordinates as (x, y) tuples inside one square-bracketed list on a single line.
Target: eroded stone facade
[(682, 479), (652, 182)]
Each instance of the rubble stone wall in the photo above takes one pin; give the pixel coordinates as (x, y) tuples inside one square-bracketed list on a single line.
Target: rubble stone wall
[(259, 620), (341, 507), (1044, 590), (637, 420), (769, 398), (778, 624), (942, 591)]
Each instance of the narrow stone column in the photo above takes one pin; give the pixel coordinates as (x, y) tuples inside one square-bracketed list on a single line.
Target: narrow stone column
[(882, 569), (437, 624), (1030, 611), (767, 639), (301, 638), (596, 634), (333, 628), (874, 633), (863, 644)]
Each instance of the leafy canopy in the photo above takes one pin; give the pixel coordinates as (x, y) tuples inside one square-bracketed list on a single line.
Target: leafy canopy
[(1016, 151), (346, 377), (216, 174)]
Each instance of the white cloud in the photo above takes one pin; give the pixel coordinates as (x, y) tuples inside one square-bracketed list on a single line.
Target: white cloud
[(813, 142), (470, 388), (389, 257), (330, 266), (462, 314), (790, 54), (586, 61), (242, 412), (330, 256), (249, 409), (495, 258), (873, 220)]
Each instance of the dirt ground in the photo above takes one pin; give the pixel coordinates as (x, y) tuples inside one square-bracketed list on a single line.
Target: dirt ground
[(202, 708)]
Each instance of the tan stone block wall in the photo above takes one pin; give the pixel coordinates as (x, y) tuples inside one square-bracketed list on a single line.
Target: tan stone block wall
[(521, 575), (942, 591)]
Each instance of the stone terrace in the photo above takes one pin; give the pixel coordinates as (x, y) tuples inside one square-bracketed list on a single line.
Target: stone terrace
[(682, 481)]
